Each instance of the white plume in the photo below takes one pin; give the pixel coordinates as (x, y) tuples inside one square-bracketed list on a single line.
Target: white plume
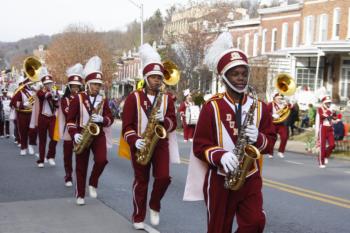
[(43, 72), (94, 65), (219, 46), (77, 70), (149, 55)]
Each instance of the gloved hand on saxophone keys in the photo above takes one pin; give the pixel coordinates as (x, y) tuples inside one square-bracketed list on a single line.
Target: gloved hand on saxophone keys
[(229, 162), (77, 138), (96, 118), (160, 116), (140, 144), (275, 116), (252, 132)]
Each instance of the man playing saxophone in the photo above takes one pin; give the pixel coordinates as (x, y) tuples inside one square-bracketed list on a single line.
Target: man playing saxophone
[(89, 106), (221, 123), (139, 110)]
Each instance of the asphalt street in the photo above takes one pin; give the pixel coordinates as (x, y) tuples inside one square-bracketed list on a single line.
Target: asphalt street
[(298, 196)]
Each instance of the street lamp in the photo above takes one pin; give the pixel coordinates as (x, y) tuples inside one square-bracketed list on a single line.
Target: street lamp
[(140, 6)]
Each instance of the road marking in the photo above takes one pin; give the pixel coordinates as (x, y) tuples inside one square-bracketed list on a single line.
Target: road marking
[(347, 172), (293, 162), (308, 193)]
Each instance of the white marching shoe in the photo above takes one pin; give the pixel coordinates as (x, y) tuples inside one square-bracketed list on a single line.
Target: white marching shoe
[(322, 166), (280, 154), (23, 152), (31, 150), (41, 165), (92, 192), (138, 225), (325, 161), (68, 184), (154, 217), (52, 162), (80, 201), (270, 156)]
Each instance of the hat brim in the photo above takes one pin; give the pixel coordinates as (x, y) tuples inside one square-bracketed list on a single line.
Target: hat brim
[(75, 83), (154, 73), (95, 81), (47, 82)]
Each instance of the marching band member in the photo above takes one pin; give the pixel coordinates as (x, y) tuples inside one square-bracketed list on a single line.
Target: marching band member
[(219, 125), (13, 114), (5, 115), (23, 102), (188, 129), (48, 100), (75, 82), (137, 109), (281, 128), (82, 109), (324, 131)]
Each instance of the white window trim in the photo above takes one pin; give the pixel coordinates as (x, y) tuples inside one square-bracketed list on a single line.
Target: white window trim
[(334, 37), (255, 44), (309, 34), (263, 41), (320, 27), (284, 38), (341, 75), (296, 33), (239, 42), (246, 44), (348, 37), (273, 39)]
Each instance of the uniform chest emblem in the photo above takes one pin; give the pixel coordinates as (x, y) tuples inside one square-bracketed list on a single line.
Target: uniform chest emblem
[(228, 117)]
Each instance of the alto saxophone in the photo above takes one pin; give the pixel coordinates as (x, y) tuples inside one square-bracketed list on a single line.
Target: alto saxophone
[(246, 153), (153, 132), (89, 131)]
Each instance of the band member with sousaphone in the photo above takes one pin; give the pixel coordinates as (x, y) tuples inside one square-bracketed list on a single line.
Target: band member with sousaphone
[(75, 83), (186, 124), (232, 130), (279, 111), (23, 101), (148, 120), (89, 111)]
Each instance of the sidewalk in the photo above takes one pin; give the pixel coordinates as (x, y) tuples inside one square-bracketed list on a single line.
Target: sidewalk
[(61, 216)]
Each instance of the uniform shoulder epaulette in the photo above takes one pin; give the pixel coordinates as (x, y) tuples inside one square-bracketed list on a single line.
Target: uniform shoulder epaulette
[(215, 97)]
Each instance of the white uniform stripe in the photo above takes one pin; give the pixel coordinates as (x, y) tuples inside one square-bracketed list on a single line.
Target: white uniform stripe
[(208, 194)]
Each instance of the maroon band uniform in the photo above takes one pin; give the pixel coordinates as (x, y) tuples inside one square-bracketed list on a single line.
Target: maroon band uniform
[(188, 129), (135, 120), (80, 110)]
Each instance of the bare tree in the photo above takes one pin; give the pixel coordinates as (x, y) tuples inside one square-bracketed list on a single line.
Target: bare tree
[(77, 44)]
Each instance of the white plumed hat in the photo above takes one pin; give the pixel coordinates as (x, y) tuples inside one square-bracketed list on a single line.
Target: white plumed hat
[(151, 61), (75, 74), (93, 70), (45, 76)]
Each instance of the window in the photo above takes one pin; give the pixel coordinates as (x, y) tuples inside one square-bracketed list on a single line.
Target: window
[(255, 44), (284, 40), (273, 39), (246, 44), (263, 41), (348, 23), (306, 73), (309, 29), (345, 80), (239, 42), (336, 23), (322, 34), (296, 28)]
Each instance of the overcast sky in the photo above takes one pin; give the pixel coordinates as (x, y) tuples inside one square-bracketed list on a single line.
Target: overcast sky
[(26, 18)]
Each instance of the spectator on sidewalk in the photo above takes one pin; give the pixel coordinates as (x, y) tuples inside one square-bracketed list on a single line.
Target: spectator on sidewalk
[(338, 127), (311, 114), (293, 118)]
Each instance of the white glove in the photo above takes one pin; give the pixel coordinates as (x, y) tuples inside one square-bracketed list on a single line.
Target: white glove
[(229, 161), (77, 138), (275, 116), (160, 116), (252, 132), (140, 144), (96, 118)]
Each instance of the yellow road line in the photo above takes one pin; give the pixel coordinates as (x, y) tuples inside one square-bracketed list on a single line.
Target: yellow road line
[(306, 191), (307, 195)]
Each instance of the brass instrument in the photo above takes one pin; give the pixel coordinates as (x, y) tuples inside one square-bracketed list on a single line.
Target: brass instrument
[(153, 132), (246, 153), (286, 86), (32, 66), (89, 131), (171, 73)]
